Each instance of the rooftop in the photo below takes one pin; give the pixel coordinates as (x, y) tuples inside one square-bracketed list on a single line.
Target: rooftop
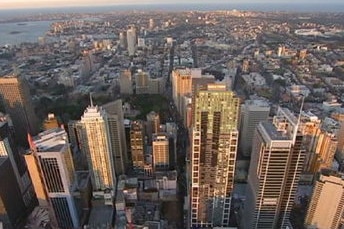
[(52, 140), (171, 175), (271, 131), (101, 215), (257, 102), (329, 172), (183, 71), (145, 211)]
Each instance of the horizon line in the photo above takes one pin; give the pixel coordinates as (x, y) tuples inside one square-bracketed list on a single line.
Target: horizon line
[(170, 3)]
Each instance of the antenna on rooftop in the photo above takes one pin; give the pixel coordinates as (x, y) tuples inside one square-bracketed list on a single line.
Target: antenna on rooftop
[(298, 120), (91, 100)]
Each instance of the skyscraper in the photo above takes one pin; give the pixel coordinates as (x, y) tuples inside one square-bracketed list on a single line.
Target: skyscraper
[(153, 124), (325, 150), (320, 143), (151, 24), (115, 121), (123, 40), (181, 85), (198, 81), (327, 202), (9, 151), (125, 82), (252, 112), (137, 145), (52, 171), (15, 96), (213, 152), (131, 40), (185, 82), (13, 211), (161, 159), (310, 128), (96, 146), (142, 82), (340, 135), (276, 163), (74, 134)]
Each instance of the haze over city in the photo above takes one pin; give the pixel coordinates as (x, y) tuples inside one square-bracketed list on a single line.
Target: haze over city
[(9, 4)]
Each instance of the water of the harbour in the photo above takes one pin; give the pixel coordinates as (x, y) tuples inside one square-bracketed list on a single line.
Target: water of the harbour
[(19, 32), (16, 33)]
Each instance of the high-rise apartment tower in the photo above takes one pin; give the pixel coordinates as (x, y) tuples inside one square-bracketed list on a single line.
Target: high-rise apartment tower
[(213, 154)]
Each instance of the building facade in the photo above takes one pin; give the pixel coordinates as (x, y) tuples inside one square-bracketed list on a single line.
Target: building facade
[(115, 120), (213, 154), (9, 150), (326, 205), (96, 146), (142, 82), (125, 82), (152, 125), (16, 99), (13, 212), (161, 152), (137, 144), (252, 112), (52, 171), (181, 85), (131, 40), (320, 143), (276, 164)]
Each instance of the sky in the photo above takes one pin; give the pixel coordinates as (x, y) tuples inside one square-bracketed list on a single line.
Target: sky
[(10, 4)]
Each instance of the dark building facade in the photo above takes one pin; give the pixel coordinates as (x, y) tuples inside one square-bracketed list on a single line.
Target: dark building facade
[(13, 211), (16, 100), (18, 175)]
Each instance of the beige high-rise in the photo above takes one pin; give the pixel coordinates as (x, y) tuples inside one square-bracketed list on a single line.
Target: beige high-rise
[(327, 202), (16, 99), (181, 85), (161, 157), (131, 40), (96, 146), (125, 82), (340, 135), (320, 144), (185, 82), (141, 82), (213, 154), (152, 125)]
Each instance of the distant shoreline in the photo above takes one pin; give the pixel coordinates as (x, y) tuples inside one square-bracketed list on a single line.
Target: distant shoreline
[(292, 7)]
